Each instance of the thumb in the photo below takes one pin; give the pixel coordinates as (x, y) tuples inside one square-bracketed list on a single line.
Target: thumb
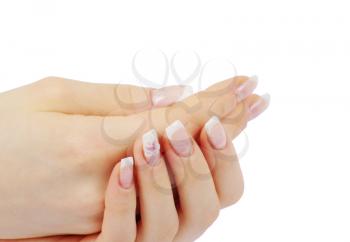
[(54, 94)]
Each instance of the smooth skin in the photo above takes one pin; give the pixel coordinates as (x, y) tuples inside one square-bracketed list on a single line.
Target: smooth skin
[(118, 220), (61, 139), (199, 184)]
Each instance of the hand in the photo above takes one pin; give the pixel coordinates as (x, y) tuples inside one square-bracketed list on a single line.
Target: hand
[(206, 177), (42, 158), (119, 214), (67, 151)]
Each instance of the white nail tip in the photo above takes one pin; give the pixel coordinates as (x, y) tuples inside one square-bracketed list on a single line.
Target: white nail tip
[(126, 162), (216, 133), (151, 146), (266, 97), (172, 128), (254, 79), (251, 83), (211, 123), (246, 88)]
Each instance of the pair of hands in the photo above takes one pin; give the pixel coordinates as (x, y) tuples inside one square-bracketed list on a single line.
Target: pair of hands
[(64, 137)]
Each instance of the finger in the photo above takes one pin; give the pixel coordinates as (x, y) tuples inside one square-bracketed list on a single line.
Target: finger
[(159, 219), (222, 159), (219, 100), (198, 201), (245, 111), (119, 222), (74, 97)]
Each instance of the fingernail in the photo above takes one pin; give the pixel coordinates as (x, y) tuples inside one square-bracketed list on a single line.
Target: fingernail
[(259, 106), (126, 172), (169, 95), (179, 138), (216, 133), (151, 147), (246, 88)]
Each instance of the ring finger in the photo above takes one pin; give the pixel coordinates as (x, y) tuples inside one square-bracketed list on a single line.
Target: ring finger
[(198, 201)]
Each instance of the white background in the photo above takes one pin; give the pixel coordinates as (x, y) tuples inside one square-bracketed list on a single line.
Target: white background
[(297, 168)]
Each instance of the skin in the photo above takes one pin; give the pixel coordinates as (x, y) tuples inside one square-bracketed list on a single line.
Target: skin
[(161, 219), (61, 139)]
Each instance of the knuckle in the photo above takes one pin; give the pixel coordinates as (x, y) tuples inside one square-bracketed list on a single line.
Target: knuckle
[(53, 87), (93, 206), (89, 211)]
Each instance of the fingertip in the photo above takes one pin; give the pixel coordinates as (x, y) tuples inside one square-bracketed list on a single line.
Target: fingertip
[(179, 138), (119, 223), (257, 105), (215, 132), (204, 140), (121, 183)]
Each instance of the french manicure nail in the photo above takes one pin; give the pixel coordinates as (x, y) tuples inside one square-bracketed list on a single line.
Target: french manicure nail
[(126, 172), (259, 106), (216, 133), (151, 147), (179, 139), (246, 88), (169, 95)]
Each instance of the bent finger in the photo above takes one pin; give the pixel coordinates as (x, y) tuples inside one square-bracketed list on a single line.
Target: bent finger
[(119, 222), (222, 159)]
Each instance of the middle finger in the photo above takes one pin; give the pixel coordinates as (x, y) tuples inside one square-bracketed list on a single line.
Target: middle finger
[(159, 219)]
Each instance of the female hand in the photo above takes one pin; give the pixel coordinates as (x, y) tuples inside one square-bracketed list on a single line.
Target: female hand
[(206, 177), (119, 222), (68, 148), (182, 183)]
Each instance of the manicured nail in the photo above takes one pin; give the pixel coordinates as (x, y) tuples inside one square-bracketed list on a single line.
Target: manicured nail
[(216, 133), (246, 88), (126, 172), (179, 139), (151, 147), (259, 106), (169, 95)]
